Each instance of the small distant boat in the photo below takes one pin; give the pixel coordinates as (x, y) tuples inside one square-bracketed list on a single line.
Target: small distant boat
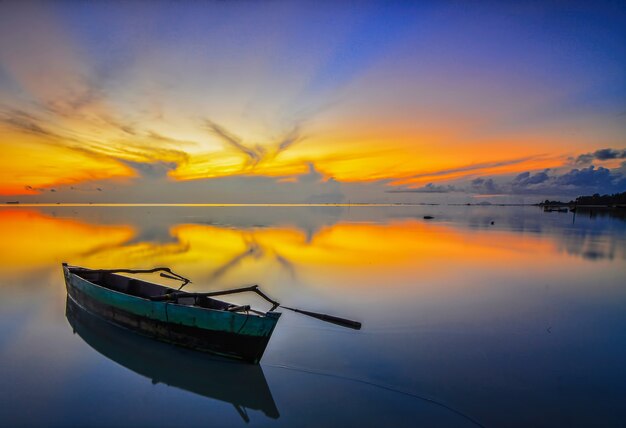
[(192, 320), (12, 202), (556, 209)]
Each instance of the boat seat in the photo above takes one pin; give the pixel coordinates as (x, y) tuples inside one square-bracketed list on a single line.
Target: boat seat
[(207, 302), (134, 288)]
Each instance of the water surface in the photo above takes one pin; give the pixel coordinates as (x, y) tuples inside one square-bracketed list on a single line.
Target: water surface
[(482, 316)]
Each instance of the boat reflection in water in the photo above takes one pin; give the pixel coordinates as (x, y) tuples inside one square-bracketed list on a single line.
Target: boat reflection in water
[(242, 385)]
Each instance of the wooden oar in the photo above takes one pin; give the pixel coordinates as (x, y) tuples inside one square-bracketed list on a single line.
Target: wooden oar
[(255, 288), (328, 318)]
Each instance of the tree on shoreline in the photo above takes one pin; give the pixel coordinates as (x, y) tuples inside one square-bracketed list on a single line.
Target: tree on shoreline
[(595, 199)]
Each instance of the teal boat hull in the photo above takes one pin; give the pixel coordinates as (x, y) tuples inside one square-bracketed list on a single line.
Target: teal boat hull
[(241, 336)]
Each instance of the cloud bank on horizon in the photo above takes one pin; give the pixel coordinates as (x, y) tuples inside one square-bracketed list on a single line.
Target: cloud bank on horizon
[(293, 102)]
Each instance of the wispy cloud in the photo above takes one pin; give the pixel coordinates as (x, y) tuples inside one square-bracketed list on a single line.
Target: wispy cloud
[(254, 157), (601, 155), (472, 168), (290, 139), (464, 171), (255, 153), (25, 122), (132, 151), (151, 170), (428, 188)]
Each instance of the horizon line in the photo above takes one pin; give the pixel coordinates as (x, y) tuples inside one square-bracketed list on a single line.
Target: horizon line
[(352, 204)]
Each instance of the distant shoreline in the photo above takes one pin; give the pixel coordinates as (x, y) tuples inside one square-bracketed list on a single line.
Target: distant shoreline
[(353, 204), (546, 204)]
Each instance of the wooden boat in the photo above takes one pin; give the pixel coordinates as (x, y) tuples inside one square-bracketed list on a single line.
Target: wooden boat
[(192, 320), (242, 385)]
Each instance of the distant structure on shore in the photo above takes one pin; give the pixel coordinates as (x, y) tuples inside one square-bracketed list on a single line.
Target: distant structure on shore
[(616, 200)]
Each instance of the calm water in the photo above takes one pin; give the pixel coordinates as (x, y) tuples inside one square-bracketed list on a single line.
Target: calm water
[(466, 323)]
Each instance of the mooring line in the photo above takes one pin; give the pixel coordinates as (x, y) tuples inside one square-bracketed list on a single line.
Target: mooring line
[(377, 385)]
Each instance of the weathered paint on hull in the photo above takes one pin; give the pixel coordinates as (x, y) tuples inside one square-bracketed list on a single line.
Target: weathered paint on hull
[(228, 334)]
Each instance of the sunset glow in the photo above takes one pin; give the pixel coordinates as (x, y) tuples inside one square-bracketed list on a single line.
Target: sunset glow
[(412, 100)]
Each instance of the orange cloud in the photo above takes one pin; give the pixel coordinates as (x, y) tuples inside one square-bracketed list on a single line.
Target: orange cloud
[(27, 162)]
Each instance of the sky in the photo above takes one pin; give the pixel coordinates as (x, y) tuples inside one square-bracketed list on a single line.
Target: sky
[(311, 102)]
